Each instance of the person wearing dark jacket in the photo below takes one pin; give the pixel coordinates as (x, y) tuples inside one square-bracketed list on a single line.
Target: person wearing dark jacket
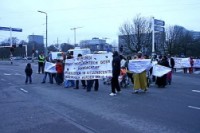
[(116, 66), (28, 71), (162, 81)]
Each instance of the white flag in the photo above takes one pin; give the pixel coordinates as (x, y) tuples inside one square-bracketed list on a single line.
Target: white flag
[(50, 67), (159, 70)]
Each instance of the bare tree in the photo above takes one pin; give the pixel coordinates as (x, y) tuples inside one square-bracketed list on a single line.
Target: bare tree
[(136, 34), (178, 40)]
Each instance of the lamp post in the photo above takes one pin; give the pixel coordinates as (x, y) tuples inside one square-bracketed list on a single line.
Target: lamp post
[(46, 31), (74, 29)]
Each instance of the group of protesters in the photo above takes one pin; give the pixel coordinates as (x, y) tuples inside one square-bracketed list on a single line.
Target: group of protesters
[(140, 80)]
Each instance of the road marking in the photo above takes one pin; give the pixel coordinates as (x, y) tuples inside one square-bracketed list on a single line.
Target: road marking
[(23, 90), (17, 74), (3, 79), (7, 74), (194, 107), (196, 91)]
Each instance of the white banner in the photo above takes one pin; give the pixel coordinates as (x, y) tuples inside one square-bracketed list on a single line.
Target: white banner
[(196, 63), (50, 67), (90, 66), (182, 62), (159, 70), (138, 66)]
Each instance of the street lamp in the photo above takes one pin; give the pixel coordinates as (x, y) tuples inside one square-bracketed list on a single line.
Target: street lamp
[(74, 29), (46, 31)]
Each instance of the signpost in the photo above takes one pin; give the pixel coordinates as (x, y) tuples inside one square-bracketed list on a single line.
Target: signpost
[(157, 25), (15, 30), (11, 29)]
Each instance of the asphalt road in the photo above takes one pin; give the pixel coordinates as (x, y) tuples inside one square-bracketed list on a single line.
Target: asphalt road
[(47, 108)]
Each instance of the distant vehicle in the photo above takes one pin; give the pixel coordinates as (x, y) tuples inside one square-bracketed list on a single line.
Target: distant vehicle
[(17, 58), (78, 50), (27, 58)]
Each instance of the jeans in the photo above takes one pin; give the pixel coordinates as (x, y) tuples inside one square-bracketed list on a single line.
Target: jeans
[(28, 77)]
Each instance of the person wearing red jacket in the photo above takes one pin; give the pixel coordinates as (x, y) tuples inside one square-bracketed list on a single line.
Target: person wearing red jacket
[(59, 75)]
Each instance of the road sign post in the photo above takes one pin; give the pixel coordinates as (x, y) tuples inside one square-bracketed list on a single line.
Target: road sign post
[(11, 29), (157, 25)]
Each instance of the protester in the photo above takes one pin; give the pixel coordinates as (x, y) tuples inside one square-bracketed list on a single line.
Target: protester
[(69, 83), (59, 75), (115, 73), (47, 59), (140, 79), (171, 64), (82, 81), (28, 71), (123, 60), (153, 59), (129, 73), (90, 84), (162, 81), (191, 64), (41, 60)]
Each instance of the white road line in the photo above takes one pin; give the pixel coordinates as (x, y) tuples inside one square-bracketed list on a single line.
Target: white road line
[(196, 91), (23, 90), (7, 74), (17, 74), (194, 107)]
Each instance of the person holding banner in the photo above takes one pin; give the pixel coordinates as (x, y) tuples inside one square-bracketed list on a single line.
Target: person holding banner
[(129, 73), (140, 79), (116, 67), (191, 63), (82, 81), (59, 75), (162, 81), (171, 64), (48, 59)]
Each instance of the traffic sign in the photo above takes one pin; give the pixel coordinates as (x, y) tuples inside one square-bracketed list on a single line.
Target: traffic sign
[(159, 28), (11, 29), (159, 22)]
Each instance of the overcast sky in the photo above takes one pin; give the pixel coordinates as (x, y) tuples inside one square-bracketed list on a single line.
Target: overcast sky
[(98, 18)]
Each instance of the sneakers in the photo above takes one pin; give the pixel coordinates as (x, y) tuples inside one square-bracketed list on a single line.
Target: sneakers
[(112, 94), (135, 92)]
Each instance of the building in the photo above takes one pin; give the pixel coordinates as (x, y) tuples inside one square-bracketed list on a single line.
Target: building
[(195, 34), (38, 39), (96, 44)]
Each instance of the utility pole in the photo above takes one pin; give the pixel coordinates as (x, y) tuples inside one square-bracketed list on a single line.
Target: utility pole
[(74, 29), (46, 30)]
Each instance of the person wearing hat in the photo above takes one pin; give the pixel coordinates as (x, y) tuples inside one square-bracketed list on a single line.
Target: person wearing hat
[(140, 79)]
